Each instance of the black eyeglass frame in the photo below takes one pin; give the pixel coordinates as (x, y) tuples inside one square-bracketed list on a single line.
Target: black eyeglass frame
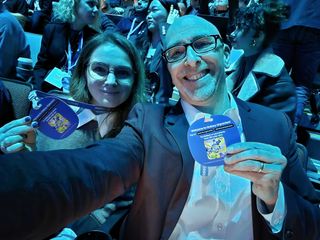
[(215, 36)]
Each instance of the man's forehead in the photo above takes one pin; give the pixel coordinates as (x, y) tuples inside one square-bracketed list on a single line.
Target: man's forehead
[(187, 28)]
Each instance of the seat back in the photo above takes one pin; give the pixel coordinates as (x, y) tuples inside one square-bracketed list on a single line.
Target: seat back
[(19, 92)]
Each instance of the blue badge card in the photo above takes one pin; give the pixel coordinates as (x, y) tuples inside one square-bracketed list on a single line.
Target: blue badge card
[(55, 118), (209, 137)]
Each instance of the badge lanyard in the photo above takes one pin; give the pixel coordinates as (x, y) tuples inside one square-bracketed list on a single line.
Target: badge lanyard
[(132, 30), (35, 95), (74, 59)]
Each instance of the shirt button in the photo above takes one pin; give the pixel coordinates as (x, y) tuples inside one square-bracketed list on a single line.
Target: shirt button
[(219, 226)]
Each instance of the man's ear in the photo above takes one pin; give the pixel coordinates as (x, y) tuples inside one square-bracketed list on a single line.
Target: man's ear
[(226, 53)]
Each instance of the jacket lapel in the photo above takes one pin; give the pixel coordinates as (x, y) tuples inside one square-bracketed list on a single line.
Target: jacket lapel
[(250, 126), (250, 86), (177, 125)]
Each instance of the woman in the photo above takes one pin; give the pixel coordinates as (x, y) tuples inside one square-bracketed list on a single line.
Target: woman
[(75, 22), (259, 76), (135, 24), (161, 13), (109, 73)]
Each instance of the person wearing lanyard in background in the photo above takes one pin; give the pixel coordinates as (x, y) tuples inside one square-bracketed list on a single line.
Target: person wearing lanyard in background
[(161, 13), (62, 42), (133, 26), (109, 73)]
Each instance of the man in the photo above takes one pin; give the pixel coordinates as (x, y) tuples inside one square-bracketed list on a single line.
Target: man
[(13, 43), (43, 191)]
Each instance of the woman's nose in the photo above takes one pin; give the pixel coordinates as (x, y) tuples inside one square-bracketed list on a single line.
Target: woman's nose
[(111, 80)]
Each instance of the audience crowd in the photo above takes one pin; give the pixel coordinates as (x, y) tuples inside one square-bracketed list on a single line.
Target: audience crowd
[(143, 67)]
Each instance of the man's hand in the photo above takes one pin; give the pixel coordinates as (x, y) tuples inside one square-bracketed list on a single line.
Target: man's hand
[(18, 135), (262, 164)]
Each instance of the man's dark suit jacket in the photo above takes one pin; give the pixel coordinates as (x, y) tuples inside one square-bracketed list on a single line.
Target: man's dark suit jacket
[(53, 50), (40, 192)]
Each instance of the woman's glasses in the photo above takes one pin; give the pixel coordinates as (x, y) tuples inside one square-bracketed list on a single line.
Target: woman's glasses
[(100, 71)]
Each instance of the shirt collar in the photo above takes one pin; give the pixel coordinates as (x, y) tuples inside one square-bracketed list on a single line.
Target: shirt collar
[(191, 112)]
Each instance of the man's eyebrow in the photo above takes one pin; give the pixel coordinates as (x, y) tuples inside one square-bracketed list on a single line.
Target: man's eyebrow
[(183, 41)]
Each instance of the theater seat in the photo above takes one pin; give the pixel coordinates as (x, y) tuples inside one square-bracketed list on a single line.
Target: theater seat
[(19, 93)]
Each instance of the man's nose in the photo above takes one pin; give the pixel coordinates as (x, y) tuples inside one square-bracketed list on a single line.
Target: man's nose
[(192, 58), (111, 79)]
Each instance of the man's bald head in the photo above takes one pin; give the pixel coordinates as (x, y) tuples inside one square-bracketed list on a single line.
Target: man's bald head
[(186, 26)]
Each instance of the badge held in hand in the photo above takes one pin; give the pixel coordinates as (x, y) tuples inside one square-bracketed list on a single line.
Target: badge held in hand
[(209, 137), (55, 118)]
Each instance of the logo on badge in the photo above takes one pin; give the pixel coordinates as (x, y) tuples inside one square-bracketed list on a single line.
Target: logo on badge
[(216, 148), (60, 123)]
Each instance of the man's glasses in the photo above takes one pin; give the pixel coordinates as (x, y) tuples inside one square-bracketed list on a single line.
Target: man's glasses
[(199, 45), (100, 71)]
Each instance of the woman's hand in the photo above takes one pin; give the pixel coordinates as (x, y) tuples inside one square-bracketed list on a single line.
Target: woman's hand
[(18, 135), (173, 14)]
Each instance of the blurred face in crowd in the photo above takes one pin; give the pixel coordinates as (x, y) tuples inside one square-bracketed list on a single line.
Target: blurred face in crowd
[(140, 5), (88, 11), (182, 8), (246, 40), (109, 76), (157, 14), (195, 4), (199, 77)]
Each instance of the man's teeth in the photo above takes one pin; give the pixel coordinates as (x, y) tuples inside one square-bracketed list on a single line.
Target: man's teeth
[(197, 76)]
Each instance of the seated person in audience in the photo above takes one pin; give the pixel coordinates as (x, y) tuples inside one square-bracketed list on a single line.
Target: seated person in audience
[(219, 8), (107, 7), (183, 5), (193, 8), (259, 76), (41, 11), (161, 13), (109, 73), (106, 24), (19, 9), (13, 43), (133, 26), (6, 108), (261, 192), (64, 38)]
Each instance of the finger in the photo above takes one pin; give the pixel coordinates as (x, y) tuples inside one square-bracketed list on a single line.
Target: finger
[(254, 166), (261, 155), (242, 146), (252, 176), (24, 129), (15, 147), (11, 140), (171, 8), (14, 123)]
